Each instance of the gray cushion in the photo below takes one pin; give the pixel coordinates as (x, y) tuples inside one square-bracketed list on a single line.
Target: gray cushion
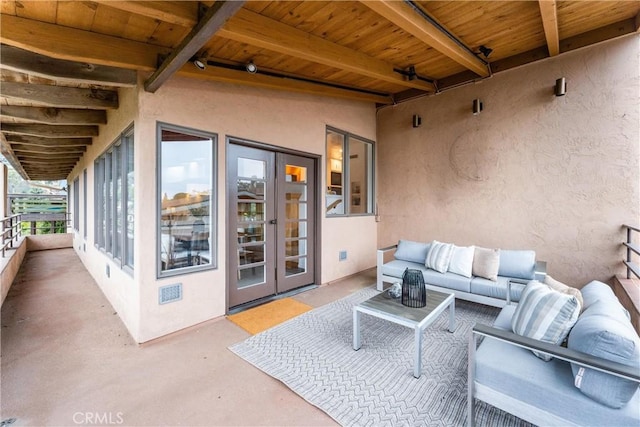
[(448, 280), (496, 289), (517, 264), (604, 331), (412, 251), (594, 291)]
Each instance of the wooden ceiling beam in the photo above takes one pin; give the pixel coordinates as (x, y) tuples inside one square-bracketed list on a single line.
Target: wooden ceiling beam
[(50, 131), (183, 13), (54, 116), (21, 60), (49, 162), (53, 157), (257, 30), (7, 152), (21, 148), (48, 142), (549, 14), (214, 18), (57, 41), (61, 96), (226, 75), (420, 25)]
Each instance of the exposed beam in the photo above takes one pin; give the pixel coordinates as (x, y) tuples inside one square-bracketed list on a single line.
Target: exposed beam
[(183, 13), (48, 142), (21, 60), (51, 157), (425, 28), (549, 14), (638, 23), (214, 18), (7, 152), (257, 30), (281, 83), (50, 131), (55, 116), (61, 96), (57, 41), (20, 148)]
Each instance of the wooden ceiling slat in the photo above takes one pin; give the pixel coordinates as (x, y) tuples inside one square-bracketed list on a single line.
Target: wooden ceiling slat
[(76, 14), (61, 96), (21, 148), (44, 11), (50, 131), (184, 13), (48, 142), (55, 116), (549, 16)]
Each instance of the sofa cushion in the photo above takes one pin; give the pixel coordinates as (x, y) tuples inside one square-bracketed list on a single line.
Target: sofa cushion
[(596, 290), (496, 289), (517, 264), (545, 315), (462, 260), (412, 251), (565, 289), (604, 331), (447, 280), (486, 263), (439, 256)]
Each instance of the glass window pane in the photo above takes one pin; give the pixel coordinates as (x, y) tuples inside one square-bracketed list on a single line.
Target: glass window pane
[(296, 229), (296, 266), (186, 183), (250, 168), (251, 189), (335, 173), (250, 276), (117, 174), (295, 247), (360, 155), (130, 219)]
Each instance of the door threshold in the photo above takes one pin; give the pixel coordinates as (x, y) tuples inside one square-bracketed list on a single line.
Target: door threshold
[(260, 301)]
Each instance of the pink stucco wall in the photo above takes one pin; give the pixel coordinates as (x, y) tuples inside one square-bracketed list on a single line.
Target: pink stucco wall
[(559, 175)]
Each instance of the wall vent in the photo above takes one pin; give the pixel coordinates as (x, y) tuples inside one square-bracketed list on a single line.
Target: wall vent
[(342, 256), (170, 293)]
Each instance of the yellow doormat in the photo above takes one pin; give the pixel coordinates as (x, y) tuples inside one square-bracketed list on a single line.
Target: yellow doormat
[(266, 316)]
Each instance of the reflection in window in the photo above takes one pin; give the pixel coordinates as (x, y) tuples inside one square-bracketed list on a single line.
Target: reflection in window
[(349, 174), (186, 203)]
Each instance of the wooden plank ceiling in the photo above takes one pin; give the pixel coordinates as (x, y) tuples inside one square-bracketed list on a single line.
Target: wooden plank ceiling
[(62, 62)]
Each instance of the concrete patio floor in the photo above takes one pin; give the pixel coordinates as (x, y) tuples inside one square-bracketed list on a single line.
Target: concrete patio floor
[(67, 359)]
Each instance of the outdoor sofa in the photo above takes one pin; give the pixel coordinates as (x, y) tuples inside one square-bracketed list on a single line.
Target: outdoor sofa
[(488, 276), (591, 382)]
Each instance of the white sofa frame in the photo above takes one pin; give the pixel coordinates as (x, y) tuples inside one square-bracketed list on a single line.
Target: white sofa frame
[(522, 409), (540, 273)]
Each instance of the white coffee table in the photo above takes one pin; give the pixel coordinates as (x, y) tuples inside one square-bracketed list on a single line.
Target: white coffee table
[(418, 319)]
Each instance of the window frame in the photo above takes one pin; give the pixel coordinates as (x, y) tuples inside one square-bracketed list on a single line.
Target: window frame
[(76, 204), (213, 202), (84, 203), (107, 166), (346, 174)]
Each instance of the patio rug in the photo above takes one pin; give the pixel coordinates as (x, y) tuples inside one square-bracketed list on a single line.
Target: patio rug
[(312, 354), (268, 315)]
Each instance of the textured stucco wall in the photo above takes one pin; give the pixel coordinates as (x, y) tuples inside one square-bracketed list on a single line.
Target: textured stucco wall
[(559, 175)]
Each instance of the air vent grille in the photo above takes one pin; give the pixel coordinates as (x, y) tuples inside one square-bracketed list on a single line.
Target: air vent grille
[(170, 293)]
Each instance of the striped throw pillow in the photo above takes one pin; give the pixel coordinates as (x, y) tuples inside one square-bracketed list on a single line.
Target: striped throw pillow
[(439, 256), (545, 315)]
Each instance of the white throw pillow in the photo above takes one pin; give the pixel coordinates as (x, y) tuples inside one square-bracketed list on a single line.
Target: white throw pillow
[(545, 315), (462, 260), (439, 256), (486, 263)]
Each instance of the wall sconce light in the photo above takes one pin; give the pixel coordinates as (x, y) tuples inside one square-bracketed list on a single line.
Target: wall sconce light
[(561, 87), (477, 106), (417, 121), (200, 63), (251, 67)]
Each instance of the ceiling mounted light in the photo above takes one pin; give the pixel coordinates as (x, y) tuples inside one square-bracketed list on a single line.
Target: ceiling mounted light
[(251, 67), (200, 63), (486, 51)]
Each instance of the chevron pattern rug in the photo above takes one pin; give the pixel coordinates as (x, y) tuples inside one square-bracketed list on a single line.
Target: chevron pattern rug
[(312, 354)]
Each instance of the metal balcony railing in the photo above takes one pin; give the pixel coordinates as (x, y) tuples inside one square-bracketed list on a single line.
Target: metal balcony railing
[(40, 213), (632, 267), (11, 232)]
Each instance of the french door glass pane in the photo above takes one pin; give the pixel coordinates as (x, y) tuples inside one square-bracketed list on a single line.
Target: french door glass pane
[(296, 266), (251, 276)]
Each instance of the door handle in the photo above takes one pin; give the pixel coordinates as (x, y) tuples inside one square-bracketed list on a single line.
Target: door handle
[(273, 221)]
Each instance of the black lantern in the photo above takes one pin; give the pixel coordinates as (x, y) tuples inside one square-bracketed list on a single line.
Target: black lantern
[(414, 293)]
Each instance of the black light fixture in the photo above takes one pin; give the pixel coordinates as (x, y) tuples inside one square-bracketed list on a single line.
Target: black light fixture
[(417, 121), (561, 87), (477, 106), (411, 73), (251, 67), (486, 51), (200, 63)]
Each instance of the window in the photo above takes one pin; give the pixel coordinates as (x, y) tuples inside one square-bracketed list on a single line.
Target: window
[(114, 205), (76, 205), (84, 204), (349, 174), (186, 201)]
